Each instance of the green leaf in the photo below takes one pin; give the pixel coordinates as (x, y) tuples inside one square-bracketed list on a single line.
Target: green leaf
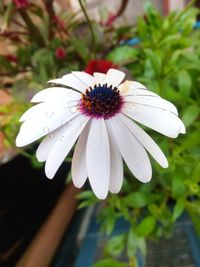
[(135, 243), (139, 199), (146, 226), (81, 49), (123, 54), (155, 60), (190, 115), (115, 246), (85, 194), (88, 198), (178, 187), (184, 83), (131, 243), (109, 263), (178, 209)]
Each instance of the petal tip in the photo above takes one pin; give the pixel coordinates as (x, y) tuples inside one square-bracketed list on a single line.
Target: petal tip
[(19, 141), (165, 165), (183, 130), (146, 179), (49, 175)]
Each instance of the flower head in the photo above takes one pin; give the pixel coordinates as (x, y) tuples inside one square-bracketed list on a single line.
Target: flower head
[(100, 112), (21, 3), (60, 53), (99, 66)]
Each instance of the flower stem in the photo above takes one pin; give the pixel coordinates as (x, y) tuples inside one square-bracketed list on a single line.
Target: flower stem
[(50, 10), (90, 27), (32, 28)]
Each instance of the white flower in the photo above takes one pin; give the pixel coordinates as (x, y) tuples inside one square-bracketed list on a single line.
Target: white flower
[(100, 111)]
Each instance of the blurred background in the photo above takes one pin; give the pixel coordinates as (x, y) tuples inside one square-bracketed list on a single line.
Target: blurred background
[(50, 223)]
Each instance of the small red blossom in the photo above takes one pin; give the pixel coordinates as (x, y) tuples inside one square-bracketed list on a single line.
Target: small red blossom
[(60, 53), (99, 66), (21, 3), (11, 58)]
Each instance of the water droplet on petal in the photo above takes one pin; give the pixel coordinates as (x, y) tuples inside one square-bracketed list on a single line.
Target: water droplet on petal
[(51, 135), (70, 122), (46, 130), (63, 122), (62, 137), (51, 114), (83, 124)]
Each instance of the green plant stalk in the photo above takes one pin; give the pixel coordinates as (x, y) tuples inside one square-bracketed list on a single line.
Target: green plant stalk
[(90, 27), (32, 28), (49, 8), (6, 18)]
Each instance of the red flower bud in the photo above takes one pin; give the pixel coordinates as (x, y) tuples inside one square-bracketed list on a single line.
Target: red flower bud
[(60, 53)]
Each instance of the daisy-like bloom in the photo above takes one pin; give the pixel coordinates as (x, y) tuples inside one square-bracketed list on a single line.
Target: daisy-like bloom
[(101, 112)]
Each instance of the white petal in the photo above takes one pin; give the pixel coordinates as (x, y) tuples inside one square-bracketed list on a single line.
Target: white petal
[(39, 126), (46, 145), (146, 141), (156, 102), (116, 167), (79, 170), (114, 77), (64, 144), (71, 81), (131, 150), (159, 120), (134, 88), (84, 77), (47, 110), (36, 111), (56, 94), (100, 78), (98, 158)]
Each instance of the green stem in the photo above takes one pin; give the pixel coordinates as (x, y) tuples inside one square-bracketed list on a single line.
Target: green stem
[(50, 10), (90, 27), (32, 28)]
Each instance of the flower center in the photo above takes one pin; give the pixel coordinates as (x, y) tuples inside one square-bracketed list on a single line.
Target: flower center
[(101, 101)]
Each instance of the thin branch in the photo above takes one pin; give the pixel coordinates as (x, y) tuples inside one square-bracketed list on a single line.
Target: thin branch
[(18, 23), (49, 8), (13, 72), (32, 28), (9, 33), (90, 26)]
